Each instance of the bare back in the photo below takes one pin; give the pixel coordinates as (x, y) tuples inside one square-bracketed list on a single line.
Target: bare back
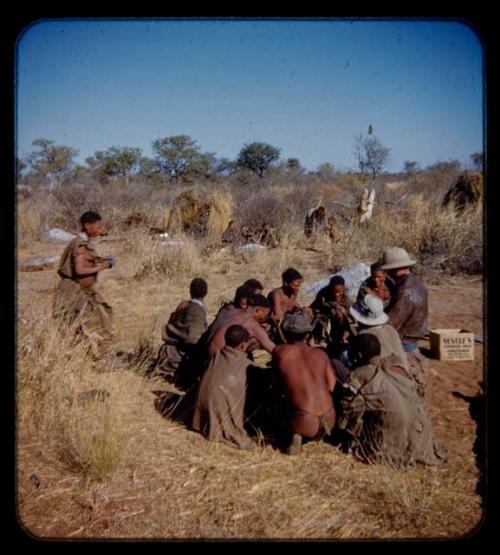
[(306, 375)]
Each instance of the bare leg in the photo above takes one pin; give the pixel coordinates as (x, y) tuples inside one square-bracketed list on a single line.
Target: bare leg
[(294, 448)]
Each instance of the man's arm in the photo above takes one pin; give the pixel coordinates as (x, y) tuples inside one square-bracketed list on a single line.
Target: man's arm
[(257, 331), (84, 264), (399, 310), (330, 374)]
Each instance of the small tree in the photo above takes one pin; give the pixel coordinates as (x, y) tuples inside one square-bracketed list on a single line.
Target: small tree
[(258, 157), (371, 154), (478, 161), (115, 161), (326, 171), (176, 155), (51, 162), (410, 167)]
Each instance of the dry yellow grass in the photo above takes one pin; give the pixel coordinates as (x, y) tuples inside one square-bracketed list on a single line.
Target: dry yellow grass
[(115, 468)]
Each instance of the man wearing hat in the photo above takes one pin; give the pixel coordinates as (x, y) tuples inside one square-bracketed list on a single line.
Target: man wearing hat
[(408, 310), (371, 318), (306, 380)]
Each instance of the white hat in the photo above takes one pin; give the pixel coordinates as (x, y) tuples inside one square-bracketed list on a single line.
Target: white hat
[(396, 257), (370, 311)]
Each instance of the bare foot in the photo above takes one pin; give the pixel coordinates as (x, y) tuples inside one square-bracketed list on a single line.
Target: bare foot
[(294, 448)]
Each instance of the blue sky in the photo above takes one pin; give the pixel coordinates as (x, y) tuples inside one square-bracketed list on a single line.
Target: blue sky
[(308, 87)]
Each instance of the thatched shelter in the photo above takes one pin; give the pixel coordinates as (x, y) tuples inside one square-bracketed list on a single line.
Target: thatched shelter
[(201, 212), (467, 190)]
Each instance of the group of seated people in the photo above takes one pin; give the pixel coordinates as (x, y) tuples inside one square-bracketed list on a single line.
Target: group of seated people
[(340, 369)]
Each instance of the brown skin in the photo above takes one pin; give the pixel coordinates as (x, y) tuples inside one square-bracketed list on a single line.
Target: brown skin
[(251, 319), (307, 379), (243, 303), (338, 292), (378, 277), (86, 266), (284, 298)]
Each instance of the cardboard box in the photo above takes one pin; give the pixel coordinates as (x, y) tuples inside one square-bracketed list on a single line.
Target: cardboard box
[(453, 344)]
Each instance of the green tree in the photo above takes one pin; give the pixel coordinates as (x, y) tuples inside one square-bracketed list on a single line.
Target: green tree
[(478, 161), (148, 167), (50, 161), (371, 154), (258, 157), (115, 161), (177, 155)]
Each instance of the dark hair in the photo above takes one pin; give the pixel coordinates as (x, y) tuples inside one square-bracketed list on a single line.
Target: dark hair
[(198, 288), (89, 218), (259, 300), (290, 274), (368, 346), (242, 293), (235, 335), (253, 284), (376, 266), (337, 280)]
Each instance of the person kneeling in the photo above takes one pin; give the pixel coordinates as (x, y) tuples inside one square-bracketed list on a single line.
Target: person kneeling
[(220, 402), (306, 380)]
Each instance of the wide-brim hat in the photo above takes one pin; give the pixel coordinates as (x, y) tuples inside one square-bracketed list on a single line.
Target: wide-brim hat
[(369, 311), (396, 257)]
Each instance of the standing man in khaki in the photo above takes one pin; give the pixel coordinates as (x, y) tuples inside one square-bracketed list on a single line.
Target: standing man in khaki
[(408, 310), (76, 300)]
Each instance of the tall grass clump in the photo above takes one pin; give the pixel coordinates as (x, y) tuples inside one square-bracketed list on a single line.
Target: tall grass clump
[(54, 378), (440, 239)]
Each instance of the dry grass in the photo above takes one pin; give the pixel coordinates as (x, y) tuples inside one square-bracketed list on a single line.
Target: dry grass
[(438, 238), (116, 469)]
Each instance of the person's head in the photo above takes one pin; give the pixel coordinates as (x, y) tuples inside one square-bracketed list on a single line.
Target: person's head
[(365, 347), (237, 337), (397, 262), (369, 311), (296, 327), (241, 296), (337, 288), (255, 286), (91, 223), (261, 308), (377, 274), (198, 289), (292, 280)]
